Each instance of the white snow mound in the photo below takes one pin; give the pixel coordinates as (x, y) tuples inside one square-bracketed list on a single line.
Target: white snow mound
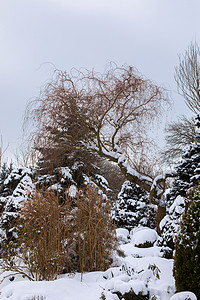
[(184, 296), (141, 235)]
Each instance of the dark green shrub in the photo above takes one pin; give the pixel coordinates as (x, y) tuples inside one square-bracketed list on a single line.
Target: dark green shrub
[(187, 256)]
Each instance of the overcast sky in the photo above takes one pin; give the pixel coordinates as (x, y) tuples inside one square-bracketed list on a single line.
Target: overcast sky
[(36, 35)]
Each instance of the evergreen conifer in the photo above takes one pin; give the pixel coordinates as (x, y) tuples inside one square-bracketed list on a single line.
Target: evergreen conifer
[(133, 207), (187, 254), (187, 176)]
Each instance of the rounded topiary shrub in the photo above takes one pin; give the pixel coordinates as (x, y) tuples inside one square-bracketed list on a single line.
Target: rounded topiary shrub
[(187, 250)]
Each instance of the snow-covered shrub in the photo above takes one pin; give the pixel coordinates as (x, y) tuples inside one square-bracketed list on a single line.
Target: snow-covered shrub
[(4, 173), (143, 237), (21, 182), (170, 226), (62, 176), (15, 176), (133, 208), (132, 283), (187, 254)]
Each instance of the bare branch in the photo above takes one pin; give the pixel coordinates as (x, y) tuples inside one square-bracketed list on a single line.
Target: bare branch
[(86, 113)]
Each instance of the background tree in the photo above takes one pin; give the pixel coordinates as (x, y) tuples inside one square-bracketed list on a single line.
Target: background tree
[(180, 134), (84, 115), (24, 156), (187, 76)]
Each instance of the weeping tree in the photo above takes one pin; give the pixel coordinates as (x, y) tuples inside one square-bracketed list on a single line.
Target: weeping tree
[(87, 115)]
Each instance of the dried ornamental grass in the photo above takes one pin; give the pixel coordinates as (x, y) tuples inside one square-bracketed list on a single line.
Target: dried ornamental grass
[(54, 238)]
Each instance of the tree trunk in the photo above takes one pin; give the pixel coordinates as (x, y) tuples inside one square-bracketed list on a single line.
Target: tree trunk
[(160, 215)]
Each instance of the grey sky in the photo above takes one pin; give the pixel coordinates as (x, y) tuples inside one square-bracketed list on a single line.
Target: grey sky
[(147, 34)]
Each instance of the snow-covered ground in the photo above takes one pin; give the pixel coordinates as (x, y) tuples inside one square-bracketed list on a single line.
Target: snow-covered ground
[(140, 269)]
